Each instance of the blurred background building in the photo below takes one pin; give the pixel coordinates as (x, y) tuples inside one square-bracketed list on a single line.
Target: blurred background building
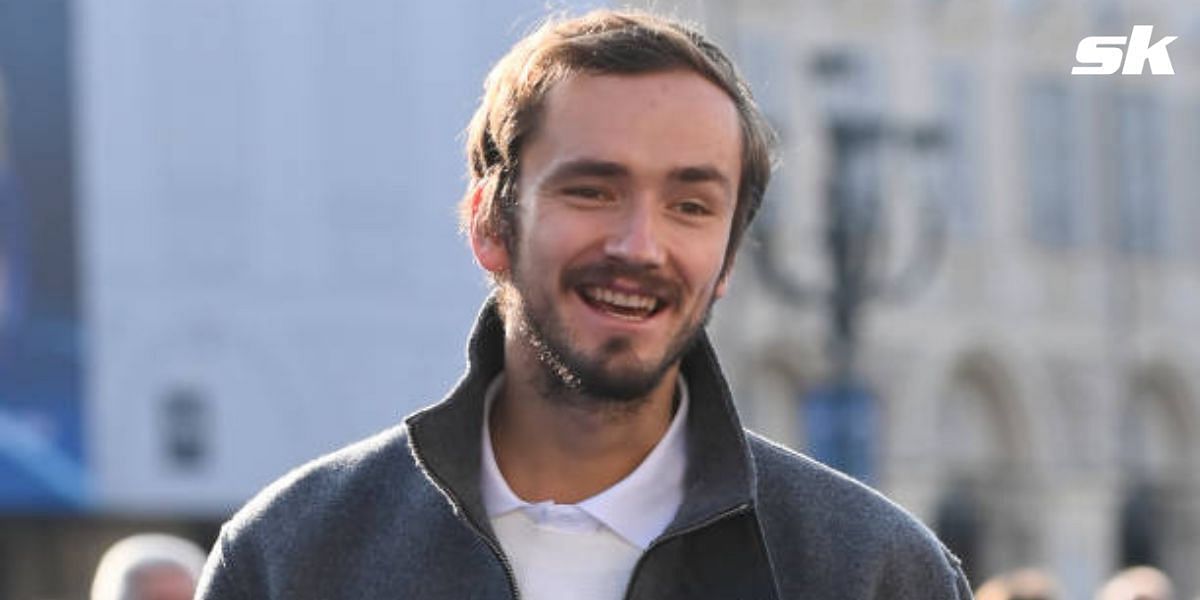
[(1036, 401), (228, 244)]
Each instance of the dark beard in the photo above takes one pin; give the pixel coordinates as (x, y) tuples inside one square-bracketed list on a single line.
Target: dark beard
[(570, 376)]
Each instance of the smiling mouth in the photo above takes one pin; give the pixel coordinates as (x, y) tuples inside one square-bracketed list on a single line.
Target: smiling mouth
[(622, 305)]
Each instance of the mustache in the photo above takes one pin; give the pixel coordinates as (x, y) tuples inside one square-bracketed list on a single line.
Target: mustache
[(648, 279)]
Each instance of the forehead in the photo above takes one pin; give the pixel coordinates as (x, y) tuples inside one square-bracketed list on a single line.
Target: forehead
[(666, 119)]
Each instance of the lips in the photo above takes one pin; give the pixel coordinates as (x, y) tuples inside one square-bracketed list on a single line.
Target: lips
[(630, 306), (629, 292)]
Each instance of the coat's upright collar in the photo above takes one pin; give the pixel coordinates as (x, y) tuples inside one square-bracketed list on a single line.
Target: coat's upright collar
[(720, 475)]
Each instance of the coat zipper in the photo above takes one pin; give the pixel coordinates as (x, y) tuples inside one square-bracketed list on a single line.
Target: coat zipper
[(740, 508), (508, 569), (495, 547)]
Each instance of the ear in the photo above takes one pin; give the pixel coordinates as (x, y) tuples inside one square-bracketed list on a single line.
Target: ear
[(489, 250)]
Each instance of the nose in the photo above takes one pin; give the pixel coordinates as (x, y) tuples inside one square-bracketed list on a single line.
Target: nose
[(635, 238)]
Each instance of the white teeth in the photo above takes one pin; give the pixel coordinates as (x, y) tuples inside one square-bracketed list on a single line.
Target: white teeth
[(621, 299)]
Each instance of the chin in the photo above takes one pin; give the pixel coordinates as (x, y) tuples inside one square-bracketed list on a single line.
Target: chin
[(620, 389), (626, 383)]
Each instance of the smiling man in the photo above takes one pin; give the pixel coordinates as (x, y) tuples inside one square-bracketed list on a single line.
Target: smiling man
[(591, 451)]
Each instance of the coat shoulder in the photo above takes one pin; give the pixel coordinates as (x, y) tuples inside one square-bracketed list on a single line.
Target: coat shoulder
[(814, 515), (791, 481), (309, 518), (333, 478), (336, 494)]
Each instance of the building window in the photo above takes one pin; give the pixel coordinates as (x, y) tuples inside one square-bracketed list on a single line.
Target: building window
[(958, 521), (980, 511), (185, 428), (959, 172), (1141, 188), (1140, 526), (1155, 525), (1051, 166)]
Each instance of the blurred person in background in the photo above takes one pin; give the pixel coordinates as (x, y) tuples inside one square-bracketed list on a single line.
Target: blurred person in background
[(1022, 584), (149, 566), (592, 450), (1138, 583)]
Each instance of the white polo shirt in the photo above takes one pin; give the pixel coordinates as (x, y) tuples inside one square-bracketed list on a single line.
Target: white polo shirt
[(586, 551)]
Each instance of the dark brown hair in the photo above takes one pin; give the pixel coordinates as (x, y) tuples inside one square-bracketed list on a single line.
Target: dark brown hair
[(600, 42)]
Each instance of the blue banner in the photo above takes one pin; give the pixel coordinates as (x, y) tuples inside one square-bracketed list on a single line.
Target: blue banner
[(41, 420)]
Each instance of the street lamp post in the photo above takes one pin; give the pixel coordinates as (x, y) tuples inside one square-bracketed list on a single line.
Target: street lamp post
[(841, 414)]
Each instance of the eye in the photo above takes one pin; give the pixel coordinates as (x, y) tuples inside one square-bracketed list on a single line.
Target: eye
[(585, 192), (692, 208)]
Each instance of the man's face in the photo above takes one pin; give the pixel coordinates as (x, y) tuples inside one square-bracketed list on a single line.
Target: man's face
[(627, 191)]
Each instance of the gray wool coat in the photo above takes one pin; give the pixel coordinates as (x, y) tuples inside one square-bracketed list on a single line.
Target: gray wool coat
[(400, 515)]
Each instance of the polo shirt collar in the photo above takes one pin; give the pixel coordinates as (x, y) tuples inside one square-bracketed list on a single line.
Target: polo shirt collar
[(638, 507)]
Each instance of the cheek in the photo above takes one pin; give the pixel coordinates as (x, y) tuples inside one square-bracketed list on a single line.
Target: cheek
[(553, 240), (704, 259)]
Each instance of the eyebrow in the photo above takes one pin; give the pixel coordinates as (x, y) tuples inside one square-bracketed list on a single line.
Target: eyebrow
[(586, 167), (701, 174)]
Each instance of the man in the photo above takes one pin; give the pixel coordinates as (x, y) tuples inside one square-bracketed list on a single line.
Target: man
[(148, 566), (591, 451)]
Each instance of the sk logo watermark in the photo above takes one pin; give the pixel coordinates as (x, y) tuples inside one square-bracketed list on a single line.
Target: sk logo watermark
[(1106, 54)]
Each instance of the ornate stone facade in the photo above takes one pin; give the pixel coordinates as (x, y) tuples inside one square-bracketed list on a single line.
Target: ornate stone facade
[(1039, 400)]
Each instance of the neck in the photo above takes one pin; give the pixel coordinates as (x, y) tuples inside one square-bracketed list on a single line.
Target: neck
[(567, 449)]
